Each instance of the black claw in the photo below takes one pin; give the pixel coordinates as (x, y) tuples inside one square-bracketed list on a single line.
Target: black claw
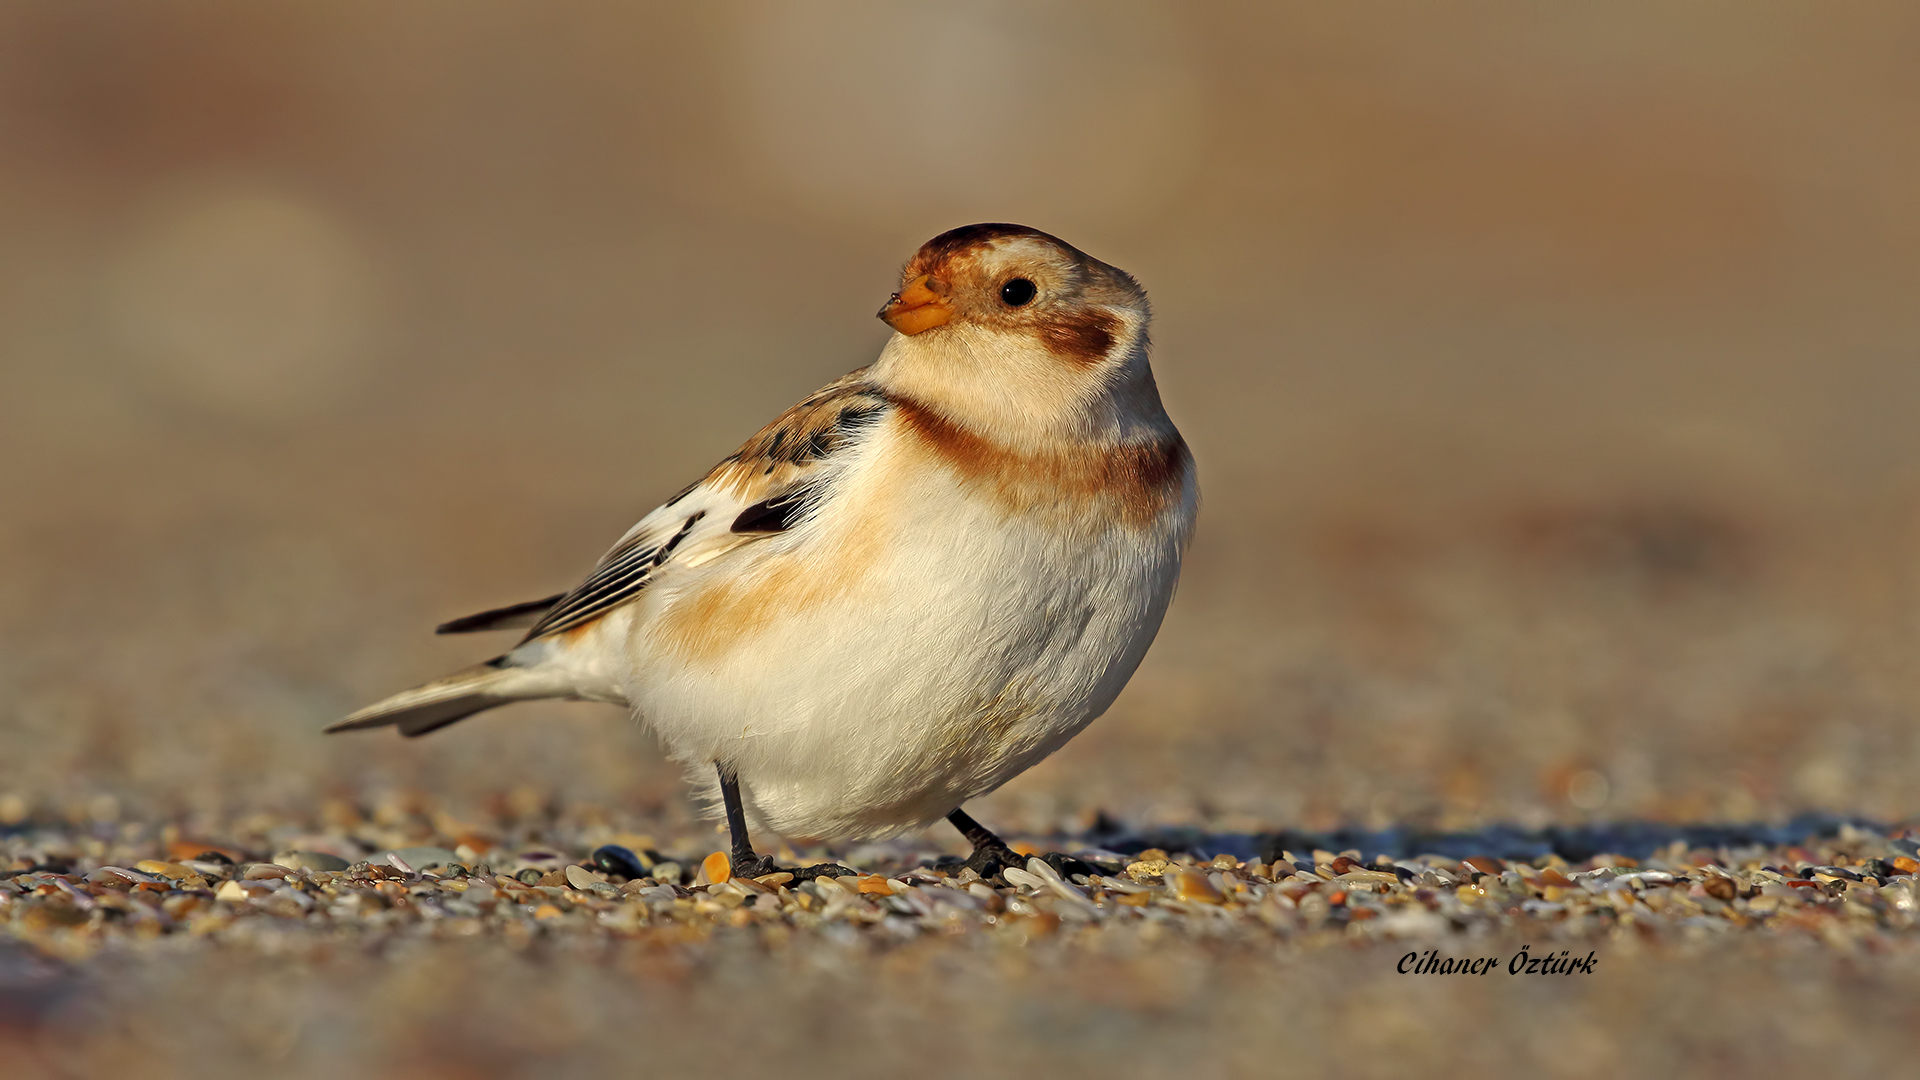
[(988, 861), (752, 866), (1067, 866), (756, 866), (809, 873)]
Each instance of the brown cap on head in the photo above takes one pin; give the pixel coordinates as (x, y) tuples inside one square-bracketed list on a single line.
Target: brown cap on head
[(937, 252)]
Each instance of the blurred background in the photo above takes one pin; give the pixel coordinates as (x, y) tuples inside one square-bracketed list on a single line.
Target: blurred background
[(1552, 373)]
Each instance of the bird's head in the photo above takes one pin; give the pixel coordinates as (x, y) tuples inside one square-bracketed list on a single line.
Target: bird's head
[(1008, 328)]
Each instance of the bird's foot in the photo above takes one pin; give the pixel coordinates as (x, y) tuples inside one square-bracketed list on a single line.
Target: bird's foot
[(820, 870), (989, 860), (754, 866), (750, 865)]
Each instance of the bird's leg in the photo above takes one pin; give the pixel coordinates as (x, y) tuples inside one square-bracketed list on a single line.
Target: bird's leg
[(992, 855), (746, 864)]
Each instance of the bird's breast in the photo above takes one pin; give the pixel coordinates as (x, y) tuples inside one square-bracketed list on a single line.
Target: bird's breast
[(1136, 483), (930, 518)]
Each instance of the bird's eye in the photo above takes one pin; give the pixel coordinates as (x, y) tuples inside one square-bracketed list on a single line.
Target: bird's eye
[(1017, 292)]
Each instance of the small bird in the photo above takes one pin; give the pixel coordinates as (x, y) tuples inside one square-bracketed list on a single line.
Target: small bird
[(910, 587)]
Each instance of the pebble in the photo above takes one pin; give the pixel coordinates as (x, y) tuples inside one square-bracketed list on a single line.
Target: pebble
[(616, 861), (315, 860), (420, 858), (1147, 868), (83, 886), (1192, 885), (164, 869), (1024, 879)]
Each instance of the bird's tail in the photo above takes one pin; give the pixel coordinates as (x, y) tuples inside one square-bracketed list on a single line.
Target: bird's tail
[(453, 698)]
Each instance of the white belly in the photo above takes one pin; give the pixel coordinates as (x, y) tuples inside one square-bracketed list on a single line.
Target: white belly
[(902, 653)]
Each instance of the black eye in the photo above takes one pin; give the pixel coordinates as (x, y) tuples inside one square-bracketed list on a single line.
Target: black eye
[(1017, 292)]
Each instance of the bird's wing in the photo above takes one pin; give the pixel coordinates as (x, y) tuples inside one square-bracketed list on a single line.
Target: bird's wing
[(511, 617), (761, 489)]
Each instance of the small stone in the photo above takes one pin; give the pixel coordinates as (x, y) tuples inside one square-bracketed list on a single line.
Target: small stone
[(875, 885), (200, 851), (547, 911), (44, 917), (1368, 877), (1019, 878), (313, 860), (230, 890), (555, 880), (626, 917), (1193, 886), (421, 858), (1905, 864), (717, 868), (1147, 868), (580, 878), (616, 861), (172, 870), (775, 879), (179, 906)]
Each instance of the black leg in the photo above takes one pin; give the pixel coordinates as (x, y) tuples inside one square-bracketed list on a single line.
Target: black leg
[(745, 862), (992, 855)]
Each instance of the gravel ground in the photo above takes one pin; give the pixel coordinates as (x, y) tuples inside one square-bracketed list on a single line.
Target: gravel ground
[(508, 950)]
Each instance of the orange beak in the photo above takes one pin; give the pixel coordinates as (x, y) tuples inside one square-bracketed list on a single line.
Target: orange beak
[(922, 305)]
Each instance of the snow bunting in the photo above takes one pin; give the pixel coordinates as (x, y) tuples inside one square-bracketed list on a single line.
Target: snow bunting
[(907, 589)]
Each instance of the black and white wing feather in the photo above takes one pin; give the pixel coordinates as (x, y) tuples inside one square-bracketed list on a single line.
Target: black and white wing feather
[(761, 490)]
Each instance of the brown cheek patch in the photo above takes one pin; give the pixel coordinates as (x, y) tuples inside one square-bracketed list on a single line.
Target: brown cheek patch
[(1083, 337), (1135, 483)]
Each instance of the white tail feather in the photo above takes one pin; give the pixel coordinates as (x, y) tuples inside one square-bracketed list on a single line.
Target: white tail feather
[(457, 696)]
